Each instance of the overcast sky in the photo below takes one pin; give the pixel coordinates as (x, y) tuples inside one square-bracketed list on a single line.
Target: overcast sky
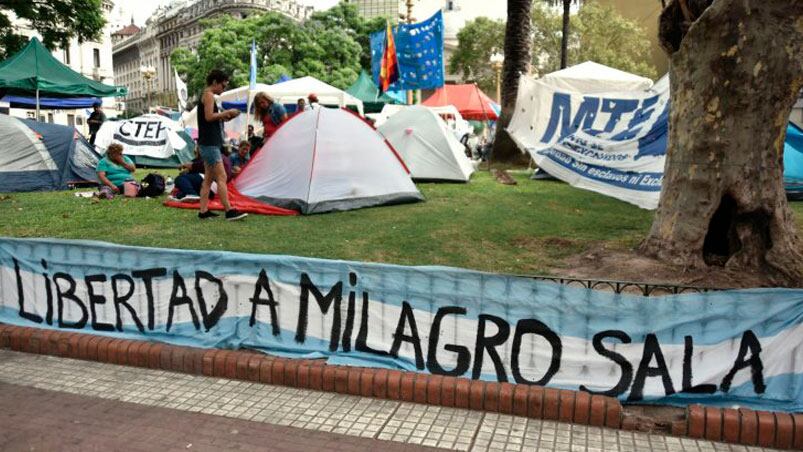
[(142, 9)]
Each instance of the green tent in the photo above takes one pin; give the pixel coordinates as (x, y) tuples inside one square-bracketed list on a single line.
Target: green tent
[(365, 90), (34, 71)]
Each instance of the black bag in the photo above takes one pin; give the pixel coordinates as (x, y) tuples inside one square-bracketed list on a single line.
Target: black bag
[(153, 185)]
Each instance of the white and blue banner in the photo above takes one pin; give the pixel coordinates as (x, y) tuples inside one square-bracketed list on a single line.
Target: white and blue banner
[(612, 143), (728, 348)]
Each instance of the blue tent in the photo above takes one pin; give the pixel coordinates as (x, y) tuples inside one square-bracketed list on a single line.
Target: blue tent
[(37, 156), (49, 103), (793, 162)]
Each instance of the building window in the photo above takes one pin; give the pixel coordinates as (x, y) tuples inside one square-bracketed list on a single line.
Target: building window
[(96, 55), (79, 120), (70, 120), (50, 118)]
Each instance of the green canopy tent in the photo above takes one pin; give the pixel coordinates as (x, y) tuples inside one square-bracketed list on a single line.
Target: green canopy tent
[(34, 71), (366, 90)]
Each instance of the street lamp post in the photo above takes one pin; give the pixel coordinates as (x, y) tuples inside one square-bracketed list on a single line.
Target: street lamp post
[(497, 61), (148, 73)]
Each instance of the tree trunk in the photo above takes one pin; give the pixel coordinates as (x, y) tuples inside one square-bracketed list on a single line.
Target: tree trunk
[(518, 49), (564, 39), (735, 72)]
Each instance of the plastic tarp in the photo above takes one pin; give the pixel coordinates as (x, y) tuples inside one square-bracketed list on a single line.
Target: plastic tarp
[(38, 156), (591, 77), (153, 136), (325, 160), (367, 91), (793, 161), (34, 68), (469, 100), (50, 103), (427, 146)]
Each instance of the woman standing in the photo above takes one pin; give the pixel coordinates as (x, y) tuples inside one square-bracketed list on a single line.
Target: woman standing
[(210, 142), (270, 112)]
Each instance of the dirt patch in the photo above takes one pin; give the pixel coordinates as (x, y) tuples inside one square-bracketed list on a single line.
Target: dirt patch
[(602, 262)]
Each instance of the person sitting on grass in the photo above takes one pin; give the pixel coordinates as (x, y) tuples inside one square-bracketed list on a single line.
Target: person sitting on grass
[(114, 169), (239, 159), (188, 183)]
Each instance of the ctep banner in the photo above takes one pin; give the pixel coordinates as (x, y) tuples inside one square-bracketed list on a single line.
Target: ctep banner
[(147, 135), (611, 143), (739, 347)]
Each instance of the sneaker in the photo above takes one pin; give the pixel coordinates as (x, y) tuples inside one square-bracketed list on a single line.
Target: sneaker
[(235, 214), (207, 214)]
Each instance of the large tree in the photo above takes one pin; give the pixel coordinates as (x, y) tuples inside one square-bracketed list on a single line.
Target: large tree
[(736, 70), (518, 52), (57, 21)]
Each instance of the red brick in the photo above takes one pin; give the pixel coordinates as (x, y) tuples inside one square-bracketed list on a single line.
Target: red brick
[(241, 372), (63, 344), (50, 342), (407, 388), (219, 365), (749, 431), (535, 402), (462, 392), (582, 407), (731, 422), (566, 408), (380, 388), (342, 380), (83, 345), (177, 358), (476, 397), (35, 342), (194, 361), (713, 424), (265, 374), (5, 336), (208, 363), (367, 382), (25, 340), (277, 371), (597, 416), (394, 385), (135, 353), (231, 365), (766, 428), (448, 388), (506, 398), (784, 430), (434, 383), (74, 341), (103, 348), (354, 381), (613, 413), (91, 351), (111, 352), (679, 428), (420, 388), (520, 400), (253, 368), (329, 378), (316, 377), (798, 441), (145, 354), (290, 373), (491, 397), (302, 379), (551, 404)]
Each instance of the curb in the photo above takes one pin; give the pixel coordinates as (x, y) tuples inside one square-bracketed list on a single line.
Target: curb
[(737, 426), (521, 400)]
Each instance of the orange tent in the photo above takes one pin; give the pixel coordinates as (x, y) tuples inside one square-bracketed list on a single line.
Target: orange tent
[(469, 100)]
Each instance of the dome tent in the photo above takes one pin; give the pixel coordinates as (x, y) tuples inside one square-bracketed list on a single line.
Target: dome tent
[(38, 156), (325, 160), (427, 146)]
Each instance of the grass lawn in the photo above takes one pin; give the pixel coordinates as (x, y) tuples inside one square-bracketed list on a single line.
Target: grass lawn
[(527, 228)]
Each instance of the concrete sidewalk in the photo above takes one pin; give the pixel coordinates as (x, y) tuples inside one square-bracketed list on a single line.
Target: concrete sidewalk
[(64, 404)]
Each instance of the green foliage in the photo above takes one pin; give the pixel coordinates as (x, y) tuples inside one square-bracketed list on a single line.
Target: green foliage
[(477, 41), (597, 33), (330, 46), (57, 21)]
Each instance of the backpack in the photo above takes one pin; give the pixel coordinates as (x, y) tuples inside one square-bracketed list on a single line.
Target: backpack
[(153, 185)]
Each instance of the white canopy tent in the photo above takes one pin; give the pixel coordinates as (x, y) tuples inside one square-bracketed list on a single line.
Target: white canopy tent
[(427, 146), (591, 77)]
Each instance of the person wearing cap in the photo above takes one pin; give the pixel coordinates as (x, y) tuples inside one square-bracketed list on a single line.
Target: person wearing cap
[(271, 113), (95, 120)]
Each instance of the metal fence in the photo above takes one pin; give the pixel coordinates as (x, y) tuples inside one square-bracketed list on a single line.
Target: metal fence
[(630, 287)]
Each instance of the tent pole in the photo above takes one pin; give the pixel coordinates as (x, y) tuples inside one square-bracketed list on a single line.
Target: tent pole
[(37, 103)]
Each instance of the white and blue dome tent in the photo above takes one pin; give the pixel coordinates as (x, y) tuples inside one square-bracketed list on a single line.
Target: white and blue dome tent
[(37, 156)]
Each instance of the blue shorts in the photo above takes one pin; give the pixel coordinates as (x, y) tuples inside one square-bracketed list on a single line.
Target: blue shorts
[(210, 154)]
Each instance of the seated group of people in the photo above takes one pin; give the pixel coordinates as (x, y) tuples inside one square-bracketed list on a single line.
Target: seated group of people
[(188, 183)]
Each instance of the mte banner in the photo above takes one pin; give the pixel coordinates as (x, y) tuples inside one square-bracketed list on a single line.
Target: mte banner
[(419, 48), (611, 143), (739, 347)]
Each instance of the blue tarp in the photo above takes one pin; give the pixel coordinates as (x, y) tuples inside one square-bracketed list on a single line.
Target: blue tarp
[(419, 48), (50, 103)]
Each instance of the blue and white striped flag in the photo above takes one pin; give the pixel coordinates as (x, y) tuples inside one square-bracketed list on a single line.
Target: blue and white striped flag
[(252, 81)]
